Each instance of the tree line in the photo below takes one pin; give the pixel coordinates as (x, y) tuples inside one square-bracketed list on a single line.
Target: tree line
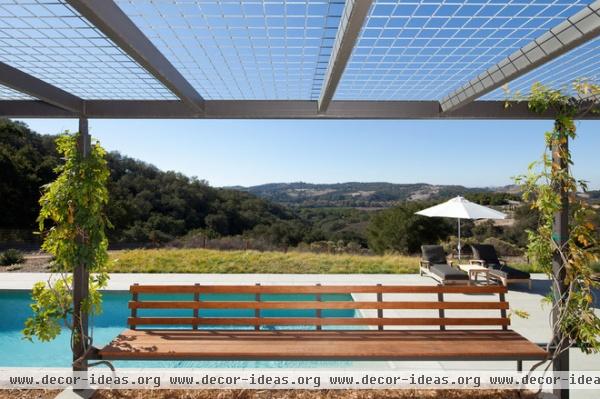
[(150, 206)]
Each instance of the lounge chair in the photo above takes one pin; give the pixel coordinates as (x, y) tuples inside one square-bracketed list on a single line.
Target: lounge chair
[(435, 265), (486, 256)]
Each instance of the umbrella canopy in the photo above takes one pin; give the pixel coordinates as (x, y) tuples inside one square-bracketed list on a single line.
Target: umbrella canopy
[(460, 208)]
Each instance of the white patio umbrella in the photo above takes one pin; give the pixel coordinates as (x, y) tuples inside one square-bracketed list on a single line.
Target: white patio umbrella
[(460, 208)]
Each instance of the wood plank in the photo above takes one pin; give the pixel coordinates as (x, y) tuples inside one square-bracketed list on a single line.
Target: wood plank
[(301, 321), (325, 345), (315, 305), (311, 289)]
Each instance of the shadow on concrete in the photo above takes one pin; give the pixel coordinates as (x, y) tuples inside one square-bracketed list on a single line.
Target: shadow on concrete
[(538, 287), (542, 288)]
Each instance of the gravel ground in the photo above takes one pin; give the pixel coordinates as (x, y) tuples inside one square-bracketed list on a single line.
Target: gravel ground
[(28, 393), (276, 394)]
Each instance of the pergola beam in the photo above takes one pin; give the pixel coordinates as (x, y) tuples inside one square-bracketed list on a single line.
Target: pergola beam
[(25, 83), (116, 25), (274, 109), (353, 18), (576, 30)]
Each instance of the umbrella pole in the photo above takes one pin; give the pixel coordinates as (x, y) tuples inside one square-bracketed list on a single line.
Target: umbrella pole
[(458, 238)]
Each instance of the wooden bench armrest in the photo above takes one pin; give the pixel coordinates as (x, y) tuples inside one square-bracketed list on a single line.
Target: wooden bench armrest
[(427, 264), (477, 262)]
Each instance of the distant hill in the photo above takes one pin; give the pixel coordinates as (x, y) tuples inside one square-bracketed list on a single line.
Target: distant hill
[(593, 196), (369, 195), (146, 204)]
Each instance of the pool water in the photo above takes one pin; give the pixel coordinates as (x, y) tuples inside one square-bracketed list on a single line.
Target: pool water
[(17, 352)]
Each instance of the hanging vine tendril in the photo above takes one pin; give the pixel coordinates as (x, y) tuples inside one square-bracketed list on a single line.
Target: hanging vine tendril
[(72, 222), (547, 184)]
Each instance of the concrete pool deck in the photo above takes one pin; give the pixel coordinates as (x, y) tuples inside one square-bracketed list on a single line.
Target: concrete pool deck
[(535, 327)]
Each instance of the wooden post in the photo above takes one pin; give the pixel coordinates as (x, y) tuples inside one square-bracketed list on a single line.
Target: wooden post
[(135, 298), (81, 274), (503, 311), (257, 310), (441, 311), (380, 310), (560, 233), (318, 313), (196, 312)]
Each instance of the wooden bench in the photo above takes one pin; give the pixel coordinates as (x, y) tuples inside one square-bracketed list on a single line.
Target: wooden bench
[(374, 336)]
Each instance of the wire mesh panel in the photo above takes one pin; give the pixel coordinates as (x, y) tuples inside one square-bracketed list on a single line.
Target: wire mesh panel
[(6, 93), (243, 49), (582, 62), (51, 41), (425, 49)]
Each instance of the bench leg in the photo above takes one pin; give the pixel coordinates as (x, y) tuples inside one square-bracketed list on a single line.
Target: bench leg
[(519, 365)]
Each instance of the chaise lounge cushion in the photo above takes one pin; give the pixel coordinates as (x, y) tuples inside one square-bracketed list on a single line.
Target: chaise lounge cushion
[(434, 254), (510, 272), (487, 253), (447, 272)]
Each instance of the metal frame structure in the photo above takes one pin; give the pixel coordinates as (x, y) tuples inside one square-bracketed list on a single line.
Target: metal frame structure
[(355, 13), (117, 26), (25, 83), (107, 16), (273, 109), (576, 30)]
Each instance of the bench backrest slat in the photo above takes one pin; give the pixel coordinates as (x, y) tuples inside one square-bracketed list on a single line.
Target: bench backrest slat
[(314, 305), (314, 289), (203, 303), (326, 321)]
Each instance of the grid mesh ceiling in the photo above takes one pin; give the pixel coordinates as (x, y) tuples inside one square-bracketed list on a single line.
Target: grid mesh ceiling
[(423, 50), (6, 93), (582, 62), (51, 41), (280, 49), (243, 49)]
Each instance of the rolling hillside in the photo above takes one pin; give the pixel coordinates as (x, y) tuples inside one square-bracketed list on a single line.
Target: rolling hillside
[(368, 195)]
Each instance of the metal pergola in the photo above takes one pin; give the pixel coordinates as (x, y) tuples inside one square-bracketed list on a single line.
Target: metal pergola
[(291, 59), (325, 59)]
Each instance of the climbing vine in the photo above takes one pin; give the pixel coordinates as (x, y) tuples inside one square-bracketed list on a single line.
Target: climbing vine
[(545, 187), (72, 222)]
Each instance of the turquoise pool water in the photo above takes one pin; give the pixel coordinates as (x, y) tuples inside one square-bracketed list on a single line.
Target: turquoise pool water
[(14, 310)]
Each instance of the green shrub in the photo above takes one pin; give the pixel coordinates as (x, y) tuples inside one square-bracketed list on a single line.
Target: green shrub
[(400, 230), (11, 257), (504, 248), (451, 245)]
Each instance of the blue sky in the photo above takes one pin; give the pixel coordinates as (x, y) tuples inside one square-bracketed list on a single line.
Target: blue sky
[(250, 152)]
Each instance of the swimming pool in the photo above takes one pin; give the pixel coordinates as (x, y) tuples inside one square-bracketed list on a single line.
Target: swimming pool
[(14, 310)]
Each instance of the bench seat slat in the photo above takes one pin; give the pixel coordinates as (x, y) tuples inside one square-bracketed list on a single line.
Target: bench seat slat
[(467, 341), (321, 345), (311, 289), (330, 321), (314, 305)]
